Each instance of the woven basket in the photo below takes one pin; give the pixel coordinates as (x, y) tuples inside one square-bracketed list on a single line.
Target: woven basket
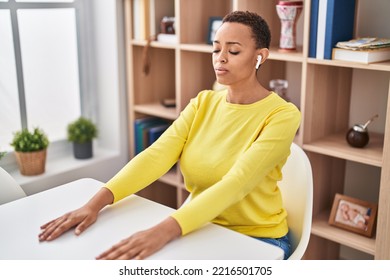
[(31, 163)]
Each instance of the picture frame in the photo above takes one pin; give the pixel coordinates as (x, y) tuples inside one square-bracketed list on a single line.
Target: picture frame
[(214, 24), (353, 214)]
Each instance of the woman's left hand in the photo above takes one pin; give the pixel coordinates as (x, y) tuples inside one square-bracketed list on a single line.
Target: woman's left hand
[(144, 243)]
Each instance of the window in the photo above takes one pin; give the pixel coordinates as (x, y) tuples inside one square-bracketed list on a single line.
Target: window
[(40, 81)]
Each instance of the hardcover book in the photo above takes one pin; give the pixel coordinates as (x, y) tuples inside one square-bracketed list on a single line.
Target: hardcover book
[(156, 132), (313, 28), (362, 56), (141, 19), (321, 28), (340, 18), (141, 129)]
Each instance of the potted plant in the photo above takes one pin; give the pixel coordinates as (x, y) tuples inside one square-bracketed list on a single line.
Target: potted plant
[(81, 132), (30, 150)]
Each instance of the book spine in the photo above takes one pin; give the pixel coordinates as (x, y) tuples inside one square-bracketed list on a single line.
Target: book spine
[(152, 18), (141, 20), (141, 131), (340, 18), (156, 132), (321, 28), (313, 28)]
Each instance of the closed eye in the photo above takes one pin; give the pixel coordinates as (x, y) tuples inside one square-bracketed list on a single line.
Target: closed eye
[(233, 53)]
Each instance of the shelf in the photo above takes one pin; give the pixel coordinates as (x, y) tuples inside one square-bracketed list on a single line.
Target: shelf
[(276, 54), (155, 44), (336, 146), (330, 94), (321, 228), (156, 110), (381, 66), (197, 48)]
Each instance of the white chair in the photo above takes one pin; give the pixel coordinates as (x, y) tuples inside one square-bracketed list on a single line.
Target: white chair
[(297, 192), (9, 188)]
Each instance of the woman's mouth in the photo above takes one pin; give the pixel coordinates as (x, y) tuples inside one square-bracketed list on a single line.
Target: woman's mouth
[(220, 71)]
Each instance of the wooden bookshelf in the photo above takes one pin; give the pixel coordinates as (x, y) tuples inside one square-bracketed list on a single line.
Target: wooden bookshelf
[(323, 92)]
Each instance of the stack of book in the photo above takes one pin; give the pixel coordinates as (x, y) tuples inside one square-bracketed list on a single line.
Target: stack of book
[(363, 50), (147, 130), (331, 21)]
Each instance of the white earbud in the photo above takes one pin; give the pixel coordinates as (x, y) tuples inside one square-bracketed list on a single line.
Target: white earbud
[(259, 58)]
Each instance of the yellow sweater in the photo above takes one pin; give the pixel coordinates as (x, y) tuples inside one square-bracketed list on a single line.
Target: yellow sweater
[(231, 158)]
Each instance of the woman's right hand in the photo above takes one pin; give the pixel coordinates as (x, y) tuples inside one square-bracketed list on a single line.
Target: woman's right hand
[(81, 218)]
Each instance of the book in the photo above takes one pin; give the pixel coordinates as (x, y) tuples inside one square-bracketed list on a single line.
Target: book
[(141, 21), (364, 43), (321, 28), (340, 19), (361, 56), (313, 28), (155, 132), (141, 127), (167, 38)]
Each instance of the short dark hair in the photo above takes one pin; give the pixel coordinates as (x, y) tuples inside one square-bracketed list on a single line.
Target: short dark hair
[(259, 27)]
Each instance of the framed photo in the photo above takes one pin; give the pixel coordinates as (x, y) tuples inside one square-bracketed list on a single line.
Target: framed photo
[(214, 24), (353, 214)]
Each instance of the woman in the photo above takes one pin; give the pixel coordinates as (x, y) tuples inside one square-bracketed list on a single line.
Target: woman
[(231, 144)]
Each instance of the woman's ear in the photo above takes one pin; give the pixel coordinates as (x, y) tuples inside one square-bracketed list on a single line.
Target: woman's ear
[(262, 56), (264, 52)]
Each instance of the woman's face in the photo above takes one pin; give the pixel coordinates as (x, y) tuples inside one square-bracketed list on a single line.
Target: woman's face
[(234, 54)]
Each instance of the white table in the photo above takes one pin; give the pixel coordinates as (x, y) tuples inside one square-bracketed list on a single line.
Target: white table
[(20, 222)]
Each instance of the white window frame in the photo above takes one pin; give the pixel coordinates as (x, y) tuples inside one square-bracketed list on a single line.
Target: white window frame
[(103, 97), (88, 104)]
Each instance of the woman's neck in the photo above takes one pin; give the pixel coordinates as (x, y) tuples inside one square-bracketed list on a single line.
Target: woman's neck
[(247, 94)]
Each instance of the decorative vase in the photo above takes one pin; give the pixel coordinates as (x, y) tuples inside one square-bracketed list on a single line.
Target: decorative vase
[(31, 163), (83, 150), (288, 12)]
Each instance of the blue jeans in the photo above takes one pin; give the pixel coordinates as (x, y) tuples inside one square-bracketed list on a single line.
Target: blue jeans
[(282, 242)]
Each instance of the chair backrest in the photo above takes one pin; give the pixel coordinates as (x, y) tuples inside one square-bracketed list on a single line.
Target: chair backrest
[(297, 192), (9, 188)]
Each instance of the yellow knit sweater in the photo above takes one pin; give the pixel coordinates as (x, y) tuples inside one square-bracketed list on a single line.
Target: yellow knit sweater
[(231, 157)]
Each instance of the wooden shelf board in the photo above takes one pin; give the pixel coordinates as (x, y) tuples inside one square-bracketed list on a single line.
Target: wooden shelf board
[(156, 109), (321, 228), (336, 146), (205, 48), (381, 66), (161, 45), (294, 56), (155, 44)]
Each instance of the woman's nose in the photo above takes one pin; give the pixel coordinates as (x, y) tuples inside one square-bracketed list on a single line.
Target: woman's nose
[(222, 58)]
